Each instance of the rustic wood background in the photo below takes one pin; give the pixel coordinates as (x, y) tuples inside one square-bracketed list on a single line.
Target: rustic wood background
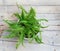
[(49, 9)]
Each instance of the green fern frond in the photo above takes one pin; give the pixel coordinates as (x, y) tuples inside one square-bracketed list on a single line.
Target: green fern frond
[(27, 26)]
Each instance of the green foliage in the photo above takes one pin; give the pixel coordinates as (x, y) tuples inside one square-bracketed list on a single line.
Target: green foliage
[(27, 26)]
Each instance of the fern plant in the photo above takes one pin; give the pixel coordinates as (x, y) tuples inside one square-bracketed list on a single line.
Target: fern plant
[(27, 26)]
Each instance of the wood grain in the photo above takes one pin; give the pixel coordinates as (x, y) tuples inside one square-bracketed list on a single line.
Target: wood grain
[(49, 9)]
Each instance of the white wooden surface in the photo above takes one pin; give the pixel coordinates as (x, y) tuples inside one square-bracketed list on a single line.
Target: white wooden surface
[(49, 9)]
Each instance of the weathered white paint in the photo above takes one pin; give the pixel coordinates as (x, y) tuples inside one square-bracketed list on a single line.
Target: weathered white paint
[(39, 9), (39, 2), (49, 9), (7, 46), (57, 48), (1, 2), (35, 47)]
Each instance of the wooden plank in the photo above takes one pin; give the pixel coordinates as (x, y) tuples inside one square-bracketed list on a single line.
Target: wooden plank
[(56, 48), (32, 2), (30, 47), (49, 23), (57, 39), (2, 10), (1, 2), (52, 25), (52, 28), (12, 9), (10, 2), (39, 2), (52, 17), (45, 34), (10, 46), (45, 9), (49, 16), (39, 9), (7, 46), (38, 16)]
